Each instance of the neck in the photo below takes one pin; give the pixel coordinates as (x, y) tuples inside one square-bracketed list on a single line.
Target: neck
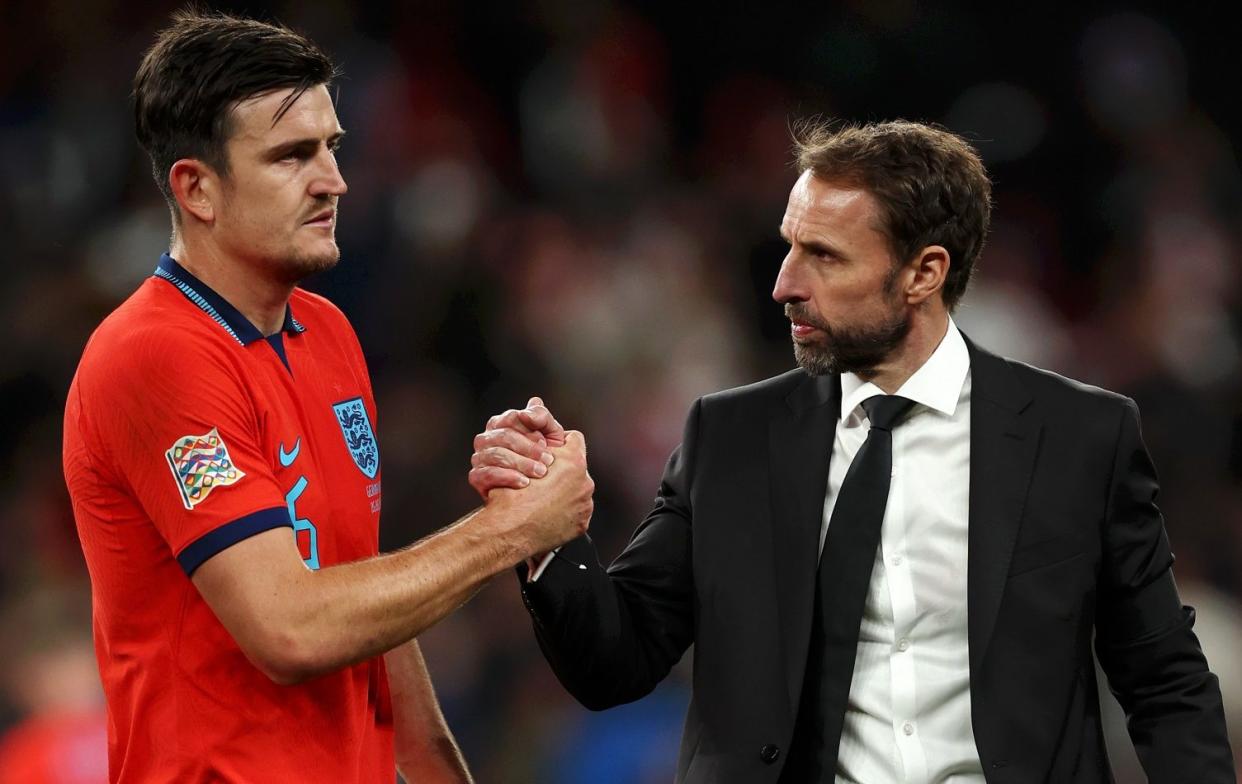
[(926, 332), (260, 299)]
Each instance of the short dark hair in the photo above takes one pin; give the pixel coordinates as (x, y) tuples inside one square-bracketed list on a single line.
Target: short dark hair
[(931, 186), (199, 69)]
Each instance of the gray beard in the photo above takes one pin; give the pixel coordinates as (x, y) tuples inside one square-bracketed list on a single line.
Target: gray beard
[(857, 350)]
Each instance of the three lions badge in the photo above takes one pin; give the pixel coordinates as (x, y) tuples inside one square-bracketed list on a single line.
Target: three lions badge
[(351, 415)]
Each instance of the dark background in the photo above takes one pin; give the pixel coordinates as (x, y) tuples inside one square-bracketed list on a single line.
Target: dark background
[(580, 200)]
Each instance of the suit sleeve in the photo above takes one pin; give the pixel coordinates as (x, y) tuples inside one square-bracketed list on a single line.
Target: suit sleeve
[(612, 635), (1144, 635)]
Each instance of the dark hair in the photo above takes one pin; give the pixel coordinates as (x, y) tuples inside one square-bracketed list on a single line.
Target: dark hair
[(199, 69), (930, 183)]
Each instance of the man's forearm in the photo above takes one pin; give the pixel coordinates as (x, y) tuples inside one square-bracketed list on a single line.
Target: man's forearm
[(351, 612), (425, 748), (294, 623)]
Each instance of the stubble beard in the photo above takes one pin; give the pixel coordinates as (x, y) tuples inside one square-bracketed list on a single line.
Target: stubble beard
[(296, 266), (296, 263), (285, 261)]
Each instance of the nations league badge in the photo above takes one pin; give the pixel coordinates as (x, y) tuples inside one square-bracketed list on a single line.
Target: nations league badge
[(200, 464), (359, 437)]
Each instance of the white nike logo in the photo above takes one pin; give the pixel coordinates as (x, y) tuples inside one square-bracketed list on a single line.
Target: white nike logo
[(287, 458)]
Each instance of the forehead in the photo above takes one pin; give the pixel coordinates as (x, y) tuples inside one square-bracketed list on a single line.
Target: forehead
[(312, 115), (814, 200)]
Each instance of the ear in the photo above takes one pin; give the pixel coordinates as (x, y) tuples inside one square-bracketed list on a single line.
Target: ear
[(195, 186), (929, 269)]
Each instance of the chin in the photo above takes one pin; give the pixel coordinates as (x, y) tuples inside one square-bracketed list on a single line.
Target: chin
[(297, 266), (814, 359)]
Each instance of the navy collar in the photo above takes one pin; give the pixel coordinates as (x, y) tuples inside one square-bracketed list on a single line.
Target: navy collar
[(211, 303)]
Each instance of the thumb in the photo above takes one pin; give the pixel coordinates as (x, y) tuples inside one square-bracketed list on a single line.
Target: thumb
[(575, 440), (534, 401)]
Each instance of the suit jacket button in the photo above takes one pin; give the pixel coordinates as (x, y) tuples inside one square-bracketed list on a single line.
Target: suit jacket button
[(769, 754)]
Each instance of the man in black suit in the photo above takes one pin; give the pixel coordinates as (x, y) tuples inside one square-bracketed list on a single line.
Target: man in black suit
[(982, 523)]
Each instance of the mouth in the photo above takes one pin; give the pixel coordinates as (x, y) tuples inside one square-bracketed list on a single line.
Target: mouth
[(324, 219), (801, 329)]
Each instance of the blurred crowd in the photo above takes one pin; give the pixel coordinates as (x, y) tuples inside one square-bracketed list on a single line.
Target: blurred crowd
[(580, 200)]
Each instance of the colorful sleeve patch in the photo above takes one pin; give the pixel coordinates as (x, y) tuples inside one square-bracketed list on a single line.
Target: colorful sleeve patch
[(200, 464)]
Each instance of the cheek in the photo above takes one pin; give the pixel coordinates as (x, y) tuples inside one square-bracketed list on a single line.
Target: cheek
[(268, 219), (841, 289)]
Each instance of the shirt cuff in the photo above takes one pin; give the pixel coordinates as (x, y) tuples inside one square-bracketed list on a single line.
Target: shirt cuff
[(229, 534), (536, 568)]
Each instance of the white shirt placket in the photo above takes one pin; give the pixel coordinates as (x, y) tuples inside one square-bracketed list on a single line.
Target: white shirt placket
[(894, 547)]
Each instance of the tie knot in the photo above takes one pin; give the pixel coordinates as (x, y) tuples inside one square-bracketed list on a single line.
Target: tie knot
[(884, 411)]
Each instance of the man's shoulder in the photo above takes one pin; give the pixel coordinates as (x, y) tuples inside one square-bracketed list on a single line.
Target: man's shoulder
[(769, 391), (155, 320), (156, 332), (1045, 386), (309, 307)]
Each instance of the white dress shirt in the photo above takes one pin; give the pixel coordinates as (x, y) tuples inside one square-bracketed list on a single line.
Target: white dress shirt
[(908, 718)]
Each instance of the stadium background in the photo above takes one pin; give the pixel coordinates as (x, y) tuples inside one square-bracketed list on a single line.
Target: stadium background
[(580, 200)]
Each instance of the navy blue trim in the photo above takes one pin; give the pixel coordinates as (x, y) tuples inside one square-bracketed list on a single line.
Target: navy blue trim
[(229, 534), (216, 306), (278, 343), (291, 324)]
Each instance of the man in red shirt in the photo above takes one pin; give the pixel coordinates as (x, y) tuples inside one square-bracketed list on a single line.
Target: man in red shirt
[(218, 407)]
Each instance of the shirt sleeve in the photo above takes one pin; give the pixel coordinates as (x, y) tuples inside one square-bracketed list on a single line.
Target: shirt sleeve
[(177, 426)]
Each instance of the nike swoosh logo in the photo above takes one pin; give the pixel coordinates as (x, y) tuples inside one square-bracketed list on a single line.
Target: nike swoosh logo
[(287, 458)]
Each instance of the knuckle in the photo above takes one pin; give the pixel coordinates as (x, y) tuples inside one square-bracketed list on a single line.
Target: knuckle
[(495, 456), (518, 443)]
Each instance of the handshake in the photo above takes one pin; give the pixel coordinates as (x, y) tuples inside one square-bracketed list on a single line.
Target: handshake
[(533, 472)]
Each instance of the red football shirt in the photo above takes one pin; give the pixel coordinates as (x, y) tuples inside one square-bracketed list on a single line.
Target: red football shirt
[(187, 431)]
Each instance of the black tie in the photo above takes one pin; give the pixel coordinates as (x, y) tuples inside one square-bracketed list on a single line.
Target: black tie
[(841, 594)]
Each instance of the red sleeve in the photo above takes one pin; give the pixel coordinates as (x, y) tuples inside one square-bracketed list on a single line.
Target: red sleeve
[(176, 425)]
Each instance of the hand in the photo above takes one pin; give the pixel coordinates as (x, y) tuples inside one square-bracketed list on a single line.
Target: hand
[(515, 448), (553, 509)]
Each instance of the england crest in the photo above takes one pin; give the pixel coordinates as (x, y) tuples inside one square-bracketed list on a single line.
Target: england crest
[(200, 464), (351, 415)]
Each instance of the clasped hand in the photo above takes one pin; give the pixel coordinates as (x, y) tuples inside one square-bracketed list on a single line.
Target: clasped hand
[(528, 464)]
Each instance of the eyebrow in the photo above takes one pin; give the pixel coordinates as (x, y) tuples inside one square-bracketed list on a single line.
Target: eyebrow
[(814, 245), (284, 148)]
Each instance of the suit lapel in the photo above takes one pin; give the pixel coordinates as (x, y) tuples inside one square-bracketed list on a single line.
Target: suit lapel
[(799, 447), (1003, 445)]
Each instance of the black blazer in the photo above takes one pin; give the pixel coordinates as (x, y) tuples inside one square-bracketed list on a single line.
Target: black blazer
[(1065, 545)]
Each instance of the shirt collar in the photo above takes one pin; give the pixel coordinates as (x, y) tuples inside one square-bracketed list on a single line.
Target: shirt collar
[(937, 384), (211, 303)]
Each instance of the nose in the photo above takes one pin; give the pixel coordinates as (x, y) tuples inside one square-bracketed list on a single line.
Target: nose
[(790, 286), (328, 180)]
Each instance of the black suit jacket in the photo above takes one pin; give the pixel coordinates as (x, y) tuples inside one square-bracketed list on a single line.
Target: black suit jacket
[(1066, 547)]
